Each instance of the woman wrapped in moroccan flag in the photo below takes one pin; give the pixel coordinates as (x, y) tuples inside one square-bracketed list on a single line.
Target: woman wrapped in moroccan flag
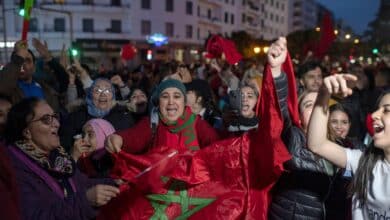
[(181, 178)]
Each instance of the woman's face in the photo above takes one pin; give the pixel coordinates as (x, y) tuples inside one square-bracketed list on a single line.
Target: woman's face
[(306, 107), (248, 102), (139, 100), (339, 124), (171, 104), (42, 130), (102, 95), (89, 137), (381, 123)]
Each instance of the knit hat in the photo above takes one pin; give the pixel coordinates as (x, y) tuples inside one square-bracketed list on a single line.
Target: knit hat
[(168, 83), (102, 129)]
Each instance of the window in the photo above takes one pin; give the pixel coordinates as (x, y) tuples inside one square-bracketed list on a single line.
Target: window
[(232, 19), (87, 2), (198, 33), (33, 26), (116, 26), (146, 28), (188, 31), (169, 29), (198, 11), (277, 5), (243, 18), (116, 2), (226, 18), (59, 24), (189, 6), (232, 2), (145, 4), (271, 17), (169, 5), (87, 25), (209, 13)]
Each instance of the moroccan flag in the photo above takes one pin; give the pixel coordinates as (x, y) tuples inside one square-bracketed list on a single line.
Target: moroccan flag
[(230, 179), (327, 36), (217, 45)]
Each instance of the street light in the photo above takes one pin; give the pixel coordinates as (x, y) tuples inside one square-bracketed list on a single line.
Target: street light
[(336, 32), (356, 41), (257, 50), (265, 49), (347, 36), (318, 29)]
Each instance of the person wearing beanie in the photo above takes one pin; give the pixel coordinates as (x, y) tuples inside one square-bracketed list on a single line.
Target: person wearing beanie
[(88, 149), (200, 100), (173, 124)]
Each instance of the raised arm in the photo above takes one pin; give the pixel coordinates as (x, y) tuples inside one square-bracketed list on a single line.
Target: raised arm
[(317, 135)]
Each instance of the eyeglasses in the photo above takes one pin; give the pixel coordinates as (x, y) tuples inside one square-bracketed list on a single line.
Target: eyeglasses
[(47, 119), (99, 91)]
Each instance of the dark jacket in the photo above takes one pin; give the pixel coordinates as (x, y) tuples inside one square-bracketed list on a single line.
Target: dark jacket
[(302, 189), (38, 197), (9, 195), (9, 86), (119, 117)]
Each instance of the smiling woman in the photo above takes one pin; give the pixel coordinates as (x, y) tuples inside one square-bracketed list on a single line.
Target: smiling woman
[(100, 103), (49, 183), (176, 126)]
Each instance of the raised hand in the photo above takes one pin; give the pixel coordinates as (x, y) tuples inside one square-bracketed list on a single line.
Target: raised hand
[(117, 80), (114, 143), (42, 49), (277, 54), (339, 84), (20, 48), (64, 57)]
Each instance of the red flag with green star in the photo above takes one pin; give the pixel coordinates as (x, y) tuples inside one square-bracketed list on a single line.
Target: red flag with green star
[(230, 179)]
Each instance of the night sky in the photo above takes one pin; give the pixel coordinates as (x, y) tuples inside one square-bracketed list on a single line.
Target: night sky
[(356, 13)]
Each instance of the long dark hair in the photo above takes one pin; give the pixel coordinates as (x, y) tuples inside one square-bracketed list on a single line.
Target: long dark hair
[(359, 185), (341, 108), (18, 118)]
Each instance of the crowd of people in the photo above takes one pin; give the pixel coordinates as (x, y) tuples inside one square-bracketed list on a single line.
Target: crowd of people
[(61, 126)]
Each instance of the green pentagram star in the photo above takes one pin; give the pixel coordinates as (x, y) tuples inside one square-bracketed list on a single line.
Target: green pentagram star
[(161, 201)]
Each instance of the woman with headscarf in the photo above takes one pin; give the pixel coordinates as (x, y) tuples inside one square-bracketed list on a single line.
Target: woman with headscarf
[(88, 149), (173, 124), (100, 103)]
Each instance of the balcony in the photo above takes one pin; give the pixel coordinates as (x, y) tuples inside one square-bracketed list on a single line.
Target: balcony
[(86, 4)]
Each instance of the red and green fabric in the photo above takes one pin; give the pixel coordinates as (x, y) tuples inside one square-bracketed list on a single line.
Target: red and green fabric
[(185, 124), (28, 4), (230, 179)]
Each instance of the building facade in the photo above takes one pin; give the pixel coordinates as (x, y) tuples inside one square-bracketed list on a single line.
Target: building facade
[(100, 27)]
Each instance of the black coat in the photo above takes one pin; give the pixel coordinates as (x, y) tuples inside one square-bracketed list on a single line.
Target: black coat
[(302, 189), (119, 117)]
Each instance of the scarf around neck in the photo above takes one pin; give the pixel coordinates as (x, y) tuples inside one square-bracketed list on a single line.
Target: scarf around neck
[(58, 163), (185, 125)]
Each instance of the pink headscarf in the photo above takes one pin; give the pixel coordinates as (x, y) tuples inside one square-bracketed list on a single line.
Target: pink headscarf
[(102, 129)]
